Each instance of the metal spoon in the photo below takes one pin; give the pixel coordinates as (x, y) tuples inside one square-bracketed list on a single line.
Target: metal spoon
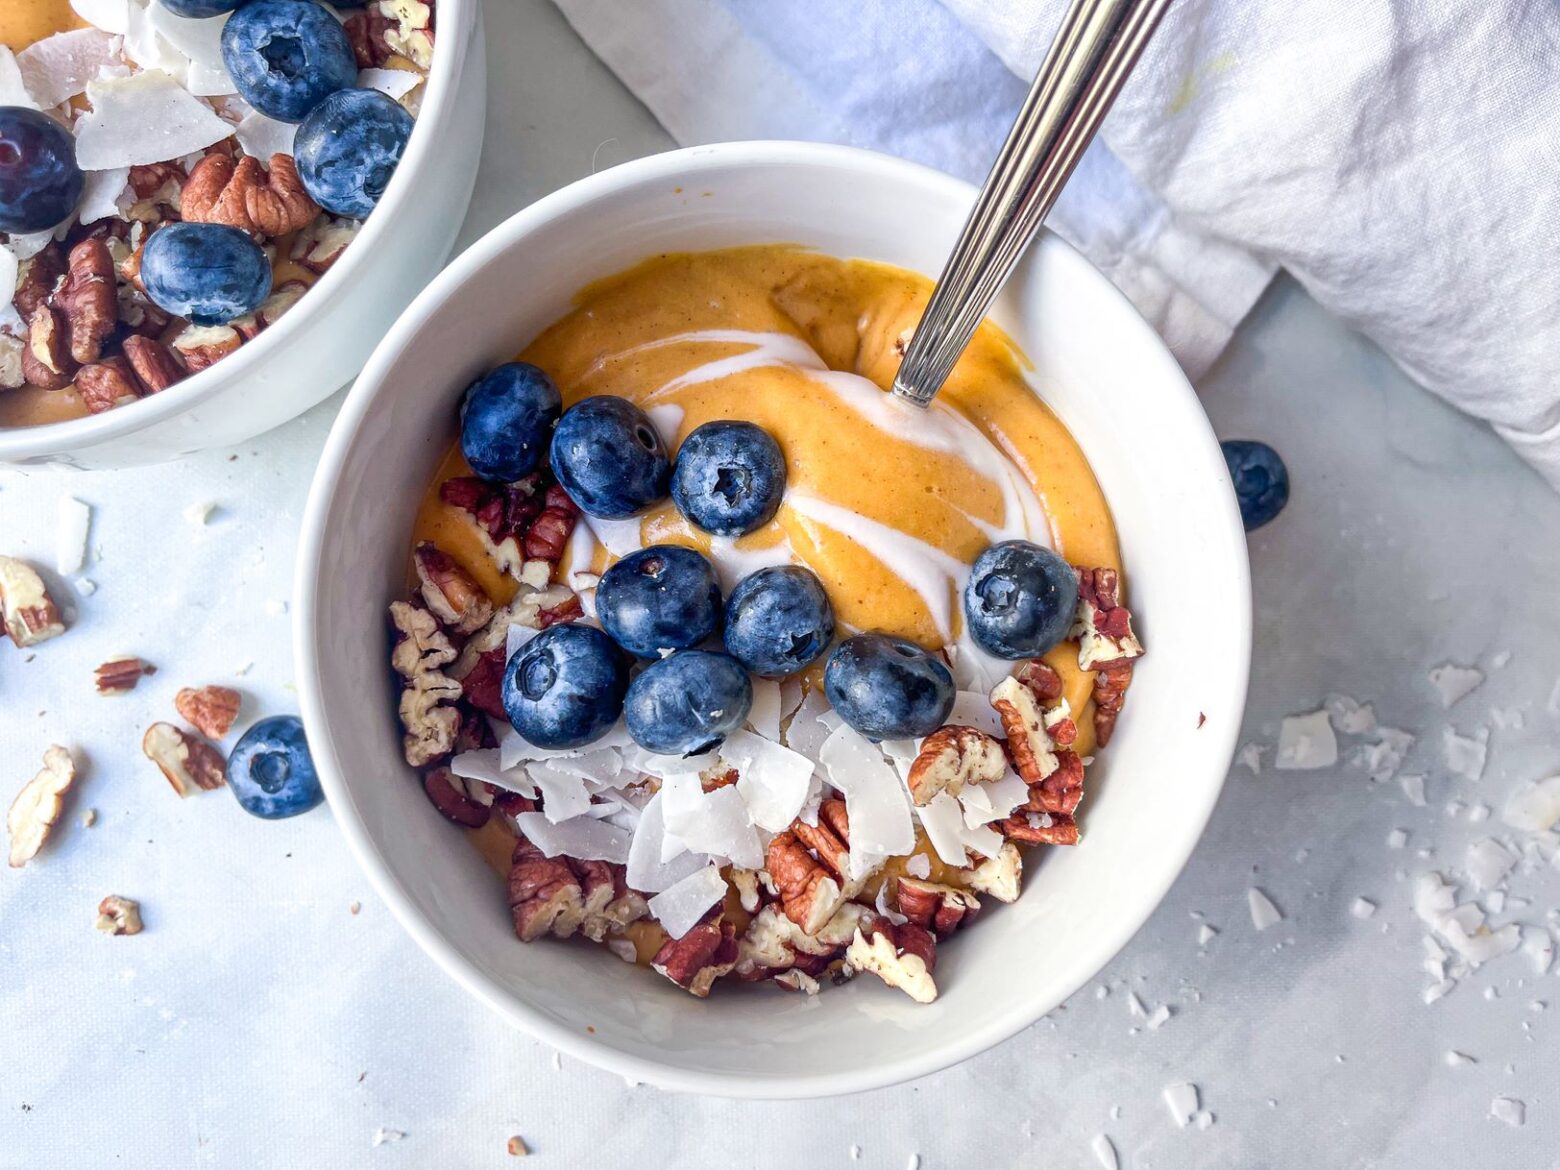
[(1094, 50)]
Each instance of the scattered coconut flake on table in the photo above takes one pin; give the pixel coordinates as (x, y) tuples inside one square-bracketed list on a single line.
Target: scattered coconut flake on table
[(1453, 682), (262, 137), (1539, 947), (1159, 1017), (679, 908), (1488, 862), (1535, 807), (1349, 715), (383, 1136), (1413, 786), (59, 67), (393, 83), (74, 519), (1397, 838), (1508, 1109), (1465, 755), (1250, 758), (1206, 934), (1104, 1153), (1306, 742), (875, 798), (1362, 908), (1181, 1100), (1135, 1006), (584, 838), (145, 118), (199, 513), (1263, 913), (13, 90), (1454, 1059), (772, 780), (1461, 926)]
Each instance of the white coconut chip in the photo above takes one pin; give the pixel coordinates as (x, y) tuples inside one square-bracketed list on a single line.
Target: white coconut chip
[(1135, 1006), (637, 759), (679, 908), (709, 822), (646, 871), (1455, 1059), (1397, 839), (764, 714), (1362, 908), (1181, 1101), (950, 835), (993, 801), (918, 865), (112, 16), (875, 798), (1535, 807), (103, 195), (1250, 758), (72, 522), (1488, 862), (564, 795), (1104, 1152), (393, 83), (880, 904), (1461, 926), (974, 709), (1453, 682), (1349, 715), (1306, 742), (483, 764), (13, 89), (514, 749), (142, 119), (384, 1135), (772, 780), (584, 838), (1465, 755), (1509, 1110), (1539, 947), (1263, 913), (199, 41), (1206, 934), (807, 732), (58, 68), (1413, 786), (262, 137), (1385, 756), (1158, 1017)]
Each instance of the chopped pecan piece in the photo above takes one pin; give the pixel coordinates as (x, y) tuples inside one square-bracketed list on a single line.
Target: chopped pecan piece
[(38, 805), (89, 299), (899, 956), (700, 957), (999, 876), (29, 612), (12, 375), (200, 346), (321, 243), (548, 535), (271, 310), (544, 894), (809, 893), (190, 764), (952, 757), (420, 645), (1029, 743), (449, 591), (210, 710), (158, 183), (428, 717), (412, 35), (1103, 626), (482, 686), (155, 365), (1110, 695), (1040, 828), (36, 278), (120, 675), (1060, 791), (940, 909), (46, 362), (449, 794), (1042, 679), (107, 383), (564, 611), (118, 915)]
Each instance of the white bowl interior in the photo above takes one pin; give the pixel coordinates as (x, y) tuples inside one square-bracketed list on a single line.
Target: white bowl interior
[(1098, 365)]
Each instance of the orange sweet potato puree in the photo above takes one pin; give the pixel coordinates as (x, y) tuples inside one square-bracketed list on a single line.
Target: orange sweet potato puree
[(24, 21)]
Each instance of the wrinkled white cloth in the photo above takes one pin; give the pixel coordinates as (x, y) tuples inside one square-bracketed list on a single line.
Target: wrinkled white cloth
[(1400, 157)]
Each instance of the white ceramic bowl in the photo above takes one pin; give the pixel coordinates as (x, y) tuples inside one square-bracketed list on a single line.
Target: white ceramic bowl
[(1096, 362), (318, 347)]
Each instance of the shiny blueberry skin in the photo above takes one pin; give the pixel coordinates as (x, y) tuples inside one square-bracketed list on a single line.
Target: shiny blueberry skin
[(506, 419), (287, 56), (207, 272), (688, 702), (888, 688), (664, 597), (271, 771), (609, 457), (778, 621), (348, 148), (564, 688), (1261, 480), (40, 182), (729, 477), (199, 9), (1020, 599)]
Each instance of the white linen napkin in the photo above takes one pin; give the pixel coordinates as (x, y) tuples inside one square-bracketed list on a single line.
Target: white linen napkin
[(1400, 157)]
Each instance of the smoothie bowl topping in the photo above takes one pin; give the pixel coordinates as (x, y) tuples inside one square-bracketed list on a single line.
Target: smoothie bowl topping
[(176, 174), (733, 664)]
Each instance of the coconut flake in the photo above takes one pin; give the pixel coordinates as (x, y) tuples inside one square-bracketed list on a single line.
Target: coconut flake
[(73, 520), (918, 866), (1250, 758), (974, 709), (483, 764), (1414, 788), (646, 871), (514, 749), (1535, 807), (764, 714), (680, 907), (1181, 1100), (1488, 862), (1397, 838), (880, 904), (1453, 682), (58, 68), (144, 118), (564, 795), (584, 838), (199, 41), (1462, 927), (1263, 913), (1465, 755), (13, 88), (112, 16), (103, 195), (1104, 1152), (1206, 934), (1158, 1017), (709, 822), (1455, 1059), (1362, 908), (1349, 715), (875, 798), (943, 820), (1539, 948), (393, 83), (992, 801), (1509, 1110), (1306, 742), (261, 137), (806, 732), (772, 780)]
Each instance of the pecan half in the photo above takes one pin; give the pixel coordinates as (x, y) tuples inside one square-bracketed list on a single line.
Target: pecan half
[(700, 957), (119, 676), (210, 710), (29, 612), (565, 611), (198, 346), (940, 909), (952, 757), (1103, 626), (830, 837), (420, 645), (46, 362), (190, 764), (155, 365), (89, 299), (107, 383), (36, 278), (544, 894), (38, 805), (1110, 695), (449, 591), (243, 195), (449, 794), (430, 722), (809, 893), (366, 33), (118, 915), (901, 957)]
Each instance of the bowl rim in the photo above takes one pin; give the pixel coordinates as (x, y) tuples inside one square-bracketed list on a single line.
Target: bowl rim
[(19, 444), (345, 433)]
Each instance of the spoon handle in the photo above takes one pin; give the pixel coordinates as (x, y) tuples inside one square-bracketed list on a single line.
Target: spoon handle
[(1094, 50)]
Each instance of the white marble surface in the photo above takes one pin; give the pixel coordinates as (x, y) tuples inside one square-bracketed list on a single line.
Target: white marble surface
[(257, 1022)]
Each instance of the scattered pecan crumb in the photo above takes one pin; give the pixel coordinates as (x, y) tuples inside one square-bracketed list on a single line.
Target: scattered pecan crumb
[(118, 915), (89, 818), (355, 908), (189, 764), (210, 710), (516, 1147), (29, 612), (38, 805), (119, 676)]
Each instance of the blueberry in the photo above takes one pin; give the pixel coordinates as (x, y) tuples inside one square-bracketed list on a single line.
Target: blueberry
[(729, 477), (1020, 599), (199, 9), (271, 771), (609, 458), (505, 420), (888, 688), (1261, 480), (207, 272), (287, 56), (348, 148), (564, 688), (688, 702), (39, 179), (660, 598), (778, 621)]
